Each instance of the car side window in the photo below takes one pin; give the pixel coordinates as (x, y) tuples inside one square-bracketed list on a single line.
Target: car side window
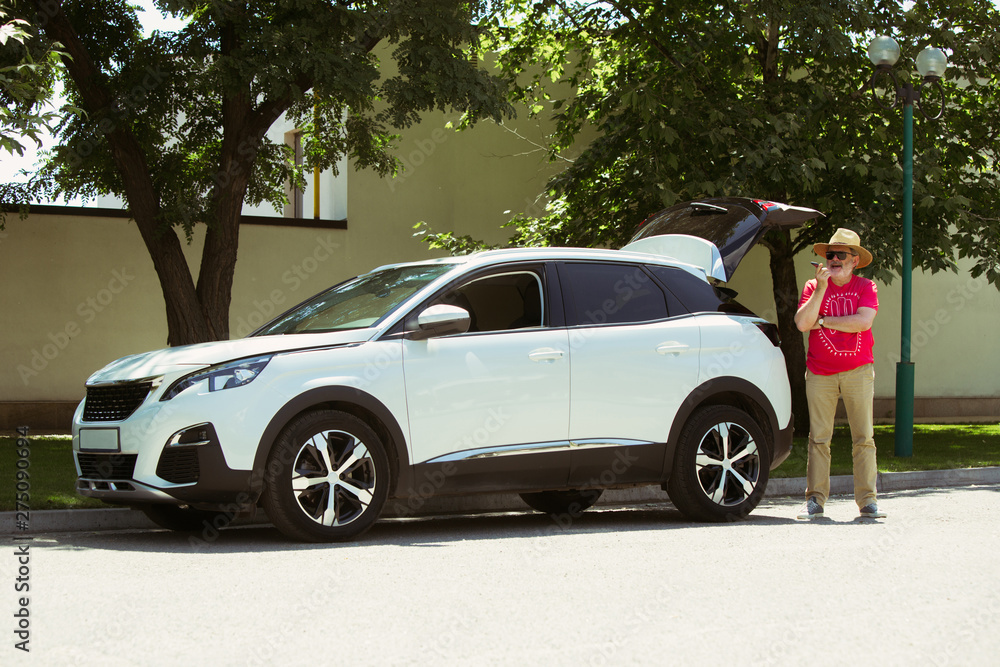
[(695, 293), (610, 294), (500, 302)]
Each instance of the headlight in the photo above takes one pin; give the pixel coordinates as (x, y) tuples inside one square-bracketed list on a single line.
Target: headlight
[(224, 376)]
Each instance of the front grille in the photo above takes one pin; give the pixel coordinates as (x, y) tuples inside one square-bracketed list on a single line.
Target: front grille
[(114, 402), (179, 465), (106, 466)]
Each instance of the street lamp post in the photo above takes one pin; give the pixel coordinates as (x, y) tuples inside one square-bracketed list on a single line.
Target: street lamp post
[(931, 63)]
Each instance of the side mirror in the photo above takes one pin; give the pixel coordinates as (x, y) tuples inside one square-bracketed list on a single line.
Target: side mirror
[(439, 320)]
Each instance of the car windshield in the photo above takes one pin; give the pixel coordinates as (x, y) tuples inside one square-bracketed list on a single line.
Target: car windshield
[(357, 303)]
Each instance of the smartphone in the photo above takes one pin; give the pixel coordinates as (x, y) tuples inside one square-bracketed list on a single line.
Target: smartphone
[(816, 264)]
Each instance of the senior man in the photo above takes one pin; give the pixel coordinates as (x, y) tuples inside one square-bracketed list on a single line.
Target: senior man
[(837, 308)]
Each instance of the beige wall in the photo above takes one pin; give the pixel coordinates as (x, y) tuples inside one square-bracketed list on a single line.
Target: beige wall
[(78, 293)]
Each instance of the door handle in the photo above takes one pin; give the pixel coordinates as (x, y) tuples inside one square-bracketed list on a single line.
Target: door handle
[(545, 354), (674, 348)]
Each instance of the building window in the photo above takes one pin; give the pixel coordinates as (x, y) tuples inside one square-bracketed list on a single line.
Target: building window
[(324, 196), (296, 197)]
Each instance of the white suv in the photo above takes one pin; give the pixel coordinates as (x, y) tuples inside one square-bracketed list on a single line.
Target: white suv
[(550, 372)]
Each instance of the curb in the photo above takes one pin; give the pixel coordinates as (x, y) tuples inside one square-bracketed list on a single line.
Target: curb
[(53, 521)]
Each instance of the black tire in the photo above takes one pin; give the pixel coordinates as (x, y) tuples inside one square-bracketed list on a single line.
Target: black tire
[(721, 465), (312, 451), (184, 519), (562, 502)]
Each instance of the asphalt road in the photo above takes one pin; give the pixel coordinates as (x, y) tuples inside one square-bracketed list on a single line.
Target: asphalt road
[(617, 585)]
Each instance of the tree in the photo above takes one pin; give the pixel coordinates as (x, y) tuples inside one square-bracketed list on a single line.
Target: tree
[(27, 73), (768, 99), (175, 123)]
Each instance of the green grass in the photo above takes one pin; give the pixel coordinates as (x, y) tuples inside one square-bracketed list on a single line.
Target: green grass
[(935, 447), (52, 475)]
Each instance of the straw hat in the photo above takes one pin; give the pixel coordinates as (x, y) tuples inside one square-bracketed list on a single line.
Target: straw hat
[(851, 240)]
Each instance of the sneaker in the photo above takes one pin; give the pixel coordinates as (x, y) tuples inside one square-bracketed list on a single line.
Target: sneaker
[(871, 511), (812, 510)]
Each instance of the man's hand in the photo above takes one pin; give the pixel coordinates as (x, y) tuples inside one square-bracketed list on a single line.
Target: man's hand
[(822, 277), (808, 313)]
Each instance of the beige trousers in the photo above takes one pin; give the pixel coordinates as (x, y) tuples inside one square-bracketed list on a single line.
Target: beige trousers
[(857, 388)]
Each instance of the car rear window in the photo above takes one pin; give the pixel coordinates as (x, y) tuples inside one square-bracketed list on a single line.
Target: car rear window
[(718, 224), (696, 295), (610, 294)]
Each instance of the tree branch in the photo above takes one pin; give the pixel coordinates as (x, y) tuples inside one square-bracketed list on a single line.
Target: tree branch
[(652, 40)]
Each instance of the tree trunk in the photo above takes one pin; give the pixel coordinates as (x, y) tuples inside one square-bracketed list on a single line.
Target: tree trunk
[(218, 258), (186, 322), (786, 299)]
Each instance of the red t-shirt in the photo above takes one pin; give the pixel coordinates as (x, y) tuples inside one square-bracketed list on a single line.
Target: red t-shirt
[(838, 351)]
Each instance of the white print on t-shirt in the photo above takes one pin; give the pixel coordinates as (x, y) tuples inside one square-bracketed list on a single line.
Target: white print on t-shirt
[(841, 306), (841, 343)]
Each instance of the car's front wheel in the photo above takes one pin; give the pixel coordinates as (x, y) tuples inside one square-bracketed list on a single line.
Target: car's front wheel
[(721, 465), (327, 477)]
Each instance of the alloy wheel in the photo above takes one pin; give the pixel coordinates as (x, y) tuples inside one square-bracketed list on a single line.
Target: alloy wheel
[(728, 464), (333, 478)]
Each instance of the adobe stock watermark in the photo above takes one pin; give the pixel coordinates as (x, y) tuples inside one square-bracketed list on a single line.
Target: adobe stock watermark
[(626, 289), (638, 619), (243, 503), (294, 277), (433, 481), (608, 477), (220, 519), (121, 110), (88, 311), (331, 588), (387, 357), (22, 543), (954, 650), (562, 522), (418, 151), (924, 330)]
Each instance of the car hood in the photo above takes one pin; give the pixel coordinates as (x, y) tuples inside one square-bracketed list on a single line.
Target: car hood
[(193, 357), (715, 234)]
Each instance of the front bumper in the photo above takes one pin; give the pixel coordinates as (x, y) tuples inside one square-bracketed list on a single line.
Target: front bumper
[(122, 492), (170, 452), (212, 484)]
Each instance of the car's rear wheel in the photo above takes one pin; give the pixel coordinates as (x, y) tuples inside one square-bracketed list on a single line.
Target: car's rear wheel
[(327, 477), (562, 502), (185, 519), (721, 465)]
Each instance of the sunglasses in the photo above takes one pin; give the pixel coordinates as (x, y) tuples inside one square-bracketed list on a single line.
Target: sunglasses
[(840, 254)]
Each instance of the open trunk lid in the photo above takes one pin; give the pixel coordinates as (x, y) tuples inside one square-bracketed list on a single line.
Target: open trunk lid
[(716, 233)]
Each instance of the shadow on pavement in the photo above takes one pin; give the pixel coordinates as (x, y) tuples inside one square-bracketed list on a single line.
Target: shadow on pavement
[(430, 531), (442, 530)]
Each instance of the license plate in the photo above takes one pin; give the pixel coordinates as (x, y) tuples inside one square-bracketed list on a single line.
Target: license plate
[(102, 439)]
